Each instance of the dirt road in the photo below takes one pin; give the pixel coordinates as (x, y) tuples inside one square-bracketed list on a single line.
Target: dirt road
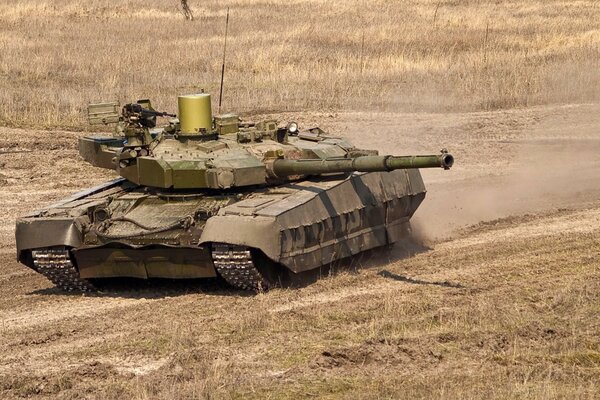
[(498, 297)]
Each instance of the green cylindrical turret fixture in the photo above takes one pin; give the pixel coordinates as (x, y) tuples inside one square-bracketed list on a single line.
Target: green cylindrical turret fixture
[(195, 114), (282, 168)]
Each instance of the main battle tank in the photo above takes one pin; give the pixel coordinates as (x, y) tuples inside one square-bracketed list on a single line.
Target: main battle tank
[(203, 197)]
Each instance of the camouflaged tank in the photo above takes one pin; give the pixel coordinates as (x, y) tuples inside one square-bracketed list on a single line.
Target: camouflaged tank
[(204, 197)]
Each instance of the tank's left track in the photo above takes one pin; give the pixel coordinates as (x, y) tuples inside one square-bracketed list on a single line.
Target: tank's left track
[(56, 265), (236, 265), (233, 263)]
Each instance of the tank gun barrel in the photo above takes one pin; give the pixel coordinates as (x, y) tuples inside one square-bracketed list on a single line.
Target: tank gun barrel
[(282, 168)]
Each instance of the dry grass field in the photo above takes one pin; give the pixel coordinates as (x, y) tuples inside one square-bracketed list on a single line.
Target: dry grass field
[(427, 55), (498, 294), (501, 309)]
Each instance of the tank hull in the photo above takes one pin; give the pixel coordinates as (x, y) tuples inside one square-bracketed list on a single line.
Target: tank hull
[(123, 230)]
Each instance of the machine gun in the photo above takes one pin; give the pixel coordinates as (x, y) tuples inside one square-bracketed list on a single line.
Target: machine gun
[(139, 113), (142, 113)]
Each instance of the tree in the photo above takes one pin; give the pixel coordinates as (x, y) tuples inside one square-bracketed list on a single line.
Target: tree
[(186, 10)]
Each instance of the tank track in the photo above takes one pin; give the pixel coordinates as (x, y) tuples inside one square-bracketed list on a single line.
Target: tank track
[(56, 265), (235, 265)]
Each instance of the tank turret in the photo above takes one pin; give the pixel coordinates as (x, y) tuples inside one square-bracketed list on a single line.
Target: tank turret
[(197, 151)]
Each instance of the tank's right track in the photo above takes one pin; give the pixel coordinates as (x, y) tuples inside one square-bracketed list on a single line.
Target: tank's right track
[(235, 265), (56, 265)]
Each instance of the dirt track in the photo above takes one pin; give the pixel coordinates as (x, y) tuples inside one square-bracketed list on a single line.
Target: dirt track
[(499, 309)]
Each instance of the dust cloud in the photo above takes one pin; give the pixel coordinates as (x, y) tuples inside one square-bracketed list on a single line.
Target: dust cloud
[(544, 175)]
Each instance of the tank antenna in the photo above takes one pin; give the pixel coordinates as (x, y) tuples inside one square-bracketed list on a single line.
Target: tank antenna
[(223, 64)]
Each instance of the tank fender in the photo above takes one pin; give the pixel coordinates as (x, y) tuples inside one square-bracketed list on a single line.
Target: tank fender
[(263, 233), (34, 233)]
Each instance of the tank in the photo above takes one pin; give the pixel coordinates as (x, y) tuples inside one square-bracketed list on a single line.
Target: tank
[(203, 196)]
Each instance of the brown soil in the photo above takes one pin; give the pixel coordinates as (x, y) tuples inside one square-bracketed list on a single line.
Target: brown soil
[(496, 297)]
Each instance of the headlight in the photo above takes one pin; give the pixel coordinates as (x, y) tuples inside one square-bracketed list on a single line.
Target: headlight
[(292, 128)]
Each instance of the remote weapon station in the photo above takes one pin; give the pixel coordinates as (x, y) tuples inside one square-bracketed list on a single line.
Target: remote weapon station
[(203, 196)]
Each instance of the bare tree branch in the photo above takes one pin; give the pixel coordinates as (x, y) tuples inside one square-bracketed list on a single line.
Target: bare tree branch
[(186, 10)]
